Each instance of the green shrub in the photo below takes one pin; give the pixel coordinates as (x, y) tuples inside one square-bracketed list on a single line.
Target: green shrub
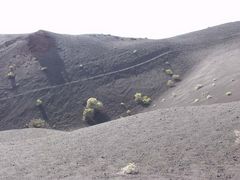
[(90, 102), (93, 103), (142, 99), (99, 105), (170, 83), (146, 100), (11, 75), (169, 72), (39, 102), (138, 97), (37, 123), (88, 113), (176, 77)]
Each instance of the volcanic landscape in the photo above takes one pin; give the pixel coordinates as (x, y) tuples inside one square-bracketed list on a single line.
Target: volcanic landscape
[(190, 128)]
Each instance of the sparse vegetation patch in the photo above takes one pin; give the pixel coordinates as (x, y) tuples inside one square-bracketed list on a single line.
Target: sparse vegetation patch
[(39, 102), (176, 77), (12, 77), (93, 103), (169, 72), (142, 99), (170, 83), (92, 106), (37, 123), (88, 113), (138, 97)]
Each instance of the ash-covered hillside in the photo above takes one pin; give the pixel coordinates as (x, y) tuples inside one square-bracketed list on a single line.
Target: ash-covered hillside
[(65, 70)]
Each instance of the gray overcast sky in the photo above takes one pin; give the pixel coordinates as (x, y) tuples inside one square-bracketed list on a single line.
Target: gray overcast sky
[(129, 18)]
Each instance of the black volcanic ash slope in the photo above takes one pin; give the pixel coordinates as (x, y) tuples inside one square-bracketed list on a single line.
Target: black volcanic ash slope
[(78, 67), (175, 143)]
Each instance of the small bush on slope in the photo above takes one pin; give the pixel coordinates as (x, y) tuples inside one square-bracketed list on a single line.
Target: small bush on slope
[(92, 105), (11, 75), (39, 102), (37, 123), (88, 113), (138, 97), (141, 99), (169, 72), (176, 77), (170, 83), (146, 100)]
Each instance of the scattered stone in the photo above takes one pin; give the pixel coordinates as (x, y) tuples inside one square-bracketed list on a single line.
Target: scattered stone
[(229, 93), (213, 84), (214, 79), (12, 67), (134, 51), (237, 134), (167, 63), (232, 80), (198, 86), (163, 100), (43, 68), (34, 59), (129, 112), (122, 104), (129, 169), (205, 93), (196, 100), (209, 97), (174, 94)]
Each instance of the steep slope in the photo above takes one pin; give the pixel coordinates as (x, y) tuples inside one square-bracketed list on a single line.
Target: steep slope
[(218, 73), (108, 73), (178, 143), (103, 66)]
